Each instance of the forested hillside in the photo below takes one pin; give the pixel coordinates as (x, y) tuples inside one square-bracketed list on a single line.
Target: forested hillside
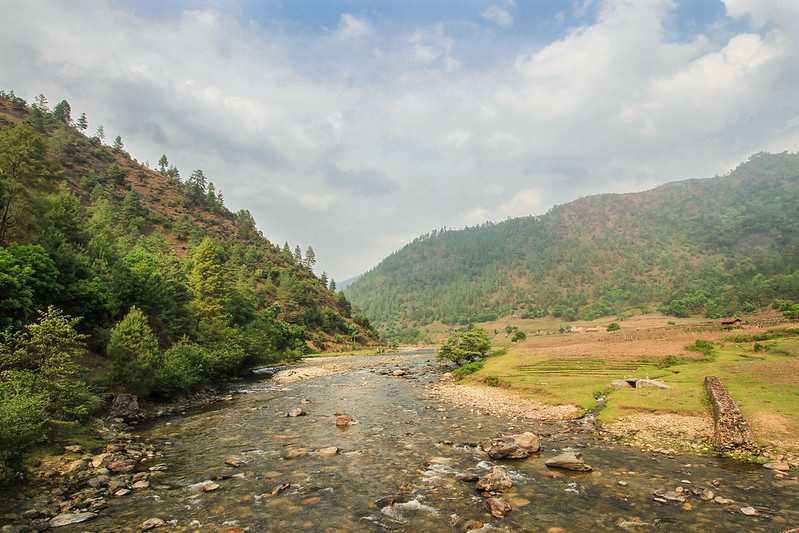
[(705, 246), (114, 276)]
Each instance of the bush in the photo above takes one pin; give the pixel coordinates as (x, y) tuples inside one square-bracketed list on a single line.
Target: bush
[(466, 346), (185, 367), (518, 336), (492, 381), (468, 368), (23, 419), (614, 326), (134, 351)]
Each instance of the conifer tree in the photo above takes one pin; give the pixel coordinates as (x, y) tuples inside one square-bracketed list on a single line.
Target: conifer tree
[(298, 254), (310, 257), (208, 281), (62, 112), (100, 134), (118, 143), (82, 123), (163, 164)]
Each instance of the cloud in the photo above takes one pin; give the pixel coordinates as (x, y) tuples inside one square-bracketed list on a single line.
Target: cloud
[(359, 139), (351, 27), (499, 15)]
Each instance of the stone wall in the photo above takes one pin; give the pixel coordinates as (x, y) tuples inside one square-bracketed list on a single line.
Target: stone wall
[(731, 431)]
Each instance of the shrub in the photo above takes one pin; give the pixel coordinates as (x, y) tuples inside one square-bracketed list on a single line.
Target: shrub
[(23, 418), (614, 326), (468, 368), (466, 346), (185, 367), (518, 336), (134, 351), (492, 381)]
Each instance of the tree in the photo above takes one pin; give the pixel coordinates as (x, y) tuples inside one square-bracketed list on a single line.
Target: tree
[(287, 250), (310, 257), (133, 349), (100, 133), (118, 144), (22, 164), (466, 346), (62, 112), (208, 281), (332, 285), (298, 254), (40, 102), (163, 164), (323, 279), (614, 326), (83, 123), (28, 280)]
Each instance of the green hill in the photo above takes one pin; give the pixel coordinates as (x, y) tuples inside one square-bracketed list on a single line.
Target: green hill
[(713, 246)]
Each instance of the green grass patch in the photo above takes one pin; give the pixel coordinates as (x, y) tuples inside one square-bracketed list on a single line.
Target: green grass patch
[(468, 368)]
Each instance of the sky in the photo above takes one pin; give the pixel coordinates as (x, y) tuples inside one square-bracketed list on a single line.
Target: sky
[(355, 126)]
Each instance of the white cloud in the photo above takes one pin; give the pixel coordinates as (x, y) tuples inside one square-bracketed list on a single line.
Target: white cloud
[(498, 15), (352, 27), (355, 149)]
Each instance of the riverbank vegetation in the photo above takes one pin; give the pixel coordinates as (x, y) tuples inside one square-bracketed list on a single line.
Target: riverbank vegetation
[(759, 366), (116, 277)]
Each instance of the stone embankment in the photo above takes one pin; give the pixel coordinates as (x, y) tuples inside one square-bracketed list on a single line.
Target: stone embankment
[(731, 431)]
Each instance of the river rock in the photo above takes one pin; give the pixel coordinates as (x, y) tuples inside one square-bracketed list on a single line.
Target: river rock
[(125, 406), (152, 523), (512, 446), (73, 448), (66, 519), (73, 467), (297, 411), (568, 461), (749, 511), (327, 452), (707, 495), (472, 524), (398, 372), (778, 466), (498, 507), (122, 492), (102, 460), (723, 501), (234, 461), (295, 453), (141, 485), (343, 421), (210, 487), (495, 481)]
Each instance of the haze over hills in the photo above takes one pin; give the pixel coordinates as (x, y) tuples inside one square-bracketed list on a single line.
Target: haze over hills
[(702, 246)]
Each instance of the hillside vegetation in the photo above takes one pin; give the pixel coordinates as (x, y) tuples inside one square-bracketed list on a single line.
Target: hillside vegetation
[(714, 247), (114, 276)]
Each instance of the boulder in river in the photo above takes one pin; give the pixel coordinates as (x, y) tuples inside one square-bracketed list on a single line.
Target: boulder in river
[(343, 421), (327, 452), (152, 523), (234, 461), (66, 519), (778, 466), (297, 411), (498, 507), (749, 511), (495, 481), (512, 446), (569, 461)]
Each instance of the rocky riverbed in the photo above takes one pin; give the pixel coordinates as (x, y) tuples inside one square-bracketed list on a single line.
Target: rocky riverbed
[(371, 444)]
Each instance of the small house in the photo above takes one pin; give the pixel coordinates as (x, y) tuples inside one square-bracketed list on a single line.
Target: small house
[(731, 322)]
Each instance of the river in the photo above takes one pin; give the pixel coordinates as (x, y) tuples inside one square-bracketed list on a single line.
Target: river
[(407, 447)]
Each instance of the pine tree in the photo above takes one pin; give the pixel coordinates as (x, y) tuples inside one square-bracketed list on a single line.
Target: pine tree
[(298, 254), (100, 134), (163, 164), (118, 144), (41, 103), (286, 249), (208, 281), (62, 112), (82, 123), (310, 257), (332, 285), (323, 279)]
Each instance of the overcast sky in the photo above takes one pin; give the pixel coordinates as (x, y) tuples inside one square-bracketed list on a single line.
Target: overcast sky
[(355, 126)]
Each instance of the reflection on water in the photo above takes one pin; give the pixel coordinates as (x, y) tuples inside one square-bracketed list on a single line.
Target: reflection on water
[(407, 449)]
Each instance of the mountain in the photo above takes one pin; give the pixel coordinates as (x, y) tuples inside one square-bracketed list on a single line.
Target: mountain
[(713, 246), (342, 285), (93, 207)]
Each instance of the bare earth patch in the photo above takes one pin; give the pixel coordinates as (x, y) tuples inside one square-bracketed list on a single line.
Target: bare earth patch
[(663, 431), (501, 402)]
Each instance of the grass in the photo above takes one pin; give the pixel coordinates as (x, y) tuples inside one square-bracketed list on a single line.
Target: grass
[(765, 383)]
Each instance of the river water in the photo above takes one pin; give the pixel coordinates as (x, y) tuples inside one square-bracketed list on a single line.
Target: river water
[(408, 447)]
